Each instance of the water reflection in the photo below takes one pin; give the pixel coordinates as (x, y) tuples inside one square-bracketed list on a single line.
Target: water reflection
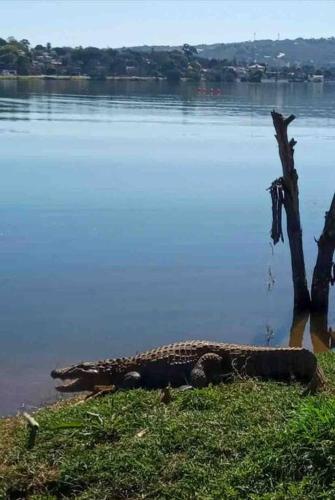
[(322, 336), (297, 330), (306, 100)]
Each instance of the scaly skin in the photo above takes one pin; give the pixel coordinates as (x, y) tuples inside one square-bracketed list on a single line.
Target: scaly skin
[(197, 362)]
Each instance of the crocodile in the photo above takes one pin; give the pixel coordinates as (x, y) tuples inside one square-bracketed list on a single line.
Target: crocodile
[(195, 362)]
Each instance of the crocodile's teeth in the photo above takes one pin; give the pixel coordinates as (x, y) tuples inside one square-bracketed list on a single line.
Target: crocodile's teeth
[(74, 386)]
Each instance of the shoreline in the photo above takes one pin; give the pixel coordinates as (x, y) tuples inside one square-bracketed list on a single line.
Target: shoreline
[(55, 78), (79, 77), (245, 439)]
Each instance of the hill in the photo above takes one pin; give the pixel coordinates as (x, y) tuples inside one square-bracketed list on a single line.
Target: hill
[(318, 52)]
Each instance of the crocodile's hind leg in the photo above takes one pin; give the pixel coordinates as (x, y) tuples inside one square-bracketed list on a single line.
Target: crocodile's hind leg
[(207, 369), (316, 383)]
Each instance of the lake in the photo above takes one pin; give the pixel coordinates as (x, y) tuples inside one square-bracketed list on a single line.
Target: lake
[(135, 214)]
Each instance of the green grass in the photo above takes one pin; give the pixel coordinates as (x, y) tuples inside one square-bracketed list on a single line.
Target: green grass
[(245, 440)]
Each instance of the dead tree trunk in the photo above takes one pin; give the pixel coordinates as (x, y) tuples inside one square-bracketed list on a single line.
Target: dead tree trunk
[(323, 276), (324, 271), (289, 197)]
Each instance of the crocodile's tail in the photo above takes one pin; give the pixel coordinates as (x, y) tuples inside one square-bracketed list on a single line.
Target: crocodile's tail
[(317, 382)]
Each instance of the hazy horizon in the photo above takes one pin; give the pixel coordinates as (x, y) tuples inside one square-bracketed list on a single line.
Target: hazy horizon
[(106, 23)]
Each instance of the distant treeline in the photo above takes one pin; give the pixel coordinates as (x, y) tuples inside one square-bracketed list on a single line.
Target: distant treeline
[(189, 62), (20, 57)]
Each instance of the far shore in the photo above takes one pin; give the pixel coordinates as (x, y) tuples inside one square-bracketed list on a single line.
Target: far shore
[(78, 77), (140, 79)]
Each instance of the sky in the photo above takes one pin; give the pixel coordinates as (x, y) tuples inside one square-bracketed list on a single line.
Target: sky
[(118, 23)]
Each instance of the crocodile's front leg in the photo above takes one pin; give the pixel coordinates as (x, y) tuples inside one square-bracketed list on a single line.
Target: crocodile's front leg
[(131, 380), (207, 369)]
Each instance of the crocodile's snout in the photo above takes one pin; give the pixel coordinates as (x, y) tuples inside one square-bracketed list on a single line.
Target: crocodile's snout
[(74, 372), (56, 373), (81, 378)]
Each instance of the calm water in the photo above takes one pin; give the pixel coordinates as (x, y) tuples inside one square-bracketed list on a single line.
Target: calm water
[(136, 214)]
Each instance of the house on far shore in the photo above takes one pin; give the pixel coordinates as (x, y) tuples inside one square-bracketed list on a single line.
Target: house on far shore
[(131, 70), (317, 78), (257, 67), (8, 72)]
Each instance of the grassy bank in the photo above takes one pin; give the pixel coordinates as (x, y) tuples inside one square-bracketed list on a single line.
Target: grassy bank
[(246, 440)]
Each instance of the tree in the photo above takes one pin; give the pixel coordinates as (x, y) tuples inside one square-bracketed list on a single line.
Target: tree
[(284, 192), (255, 76), (189, 51), (173, 75), (324, 271), (25, 43), (229, 75), (23, 65)]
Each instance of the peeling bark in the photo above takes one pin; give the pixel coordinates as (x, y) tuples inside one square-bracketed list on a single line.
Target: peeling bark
[(290, 200), (277, 198)]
